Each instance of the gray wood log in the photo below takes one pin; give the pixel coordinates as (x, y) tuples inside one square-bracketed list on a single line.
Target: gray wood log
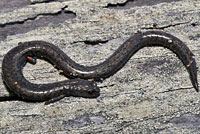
[(152, 93)]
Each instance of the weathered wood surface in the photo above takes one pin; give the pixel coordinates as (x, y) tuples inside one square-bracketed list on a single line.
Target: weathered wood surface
[(151, 94)]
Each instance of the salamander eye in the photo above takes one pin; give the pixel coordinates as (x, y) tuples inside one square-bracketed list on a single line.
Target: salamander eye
[(94, 84)]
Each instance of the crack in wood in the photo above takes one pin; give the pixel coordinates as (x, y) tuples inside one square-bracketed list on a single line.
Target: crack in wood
[(42, 1), (45, 1), (92, 42), (34, 17), (177, 89), (31, 23), (133, 3), (155, 26)]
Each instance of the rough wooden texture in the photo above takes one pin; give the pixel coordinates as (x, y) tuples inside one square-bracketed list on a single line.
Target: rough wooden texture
[(152, 93)]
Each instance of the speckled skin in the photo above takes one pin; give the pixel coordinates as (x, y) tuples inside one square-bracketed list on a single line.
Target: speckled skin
[(16, 58)]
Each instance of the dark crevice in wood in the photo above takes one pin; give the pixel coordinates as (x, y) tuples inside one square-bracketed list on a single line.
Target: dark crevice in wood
[(155, 26), (95, 42), (33, 18), (46, 1), (178, 89), (133, 3), (92, 42), (31, 23)]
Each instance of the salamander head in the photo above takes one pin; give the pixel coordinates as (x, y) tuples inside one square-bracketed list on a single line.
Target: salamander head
[(87, 89)]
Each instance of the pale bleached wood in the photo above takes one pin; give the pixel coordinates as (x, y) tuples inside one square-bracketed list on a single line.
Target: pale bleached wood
[(152, 93)]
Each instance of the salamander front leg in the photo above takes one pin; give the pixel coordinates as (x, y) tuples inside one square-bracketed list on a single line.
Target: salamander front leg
[(54, 99)]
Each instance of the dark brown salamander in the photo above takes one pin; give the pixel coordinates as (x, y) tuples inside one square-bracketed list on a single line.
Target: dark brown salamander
[(16, 58)]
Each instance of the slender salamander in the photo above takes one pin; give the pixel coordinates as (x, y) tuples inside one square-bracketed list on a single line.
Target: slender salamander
[(16, 58)]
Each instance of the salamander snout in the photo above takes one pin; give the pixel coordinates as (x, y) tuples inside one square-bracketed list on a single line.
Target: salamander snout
[(93, 90)]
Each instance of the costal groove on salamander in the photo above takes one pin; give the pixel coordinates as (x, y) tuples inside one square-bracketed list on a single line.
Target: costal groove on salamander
[(16, 58)]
